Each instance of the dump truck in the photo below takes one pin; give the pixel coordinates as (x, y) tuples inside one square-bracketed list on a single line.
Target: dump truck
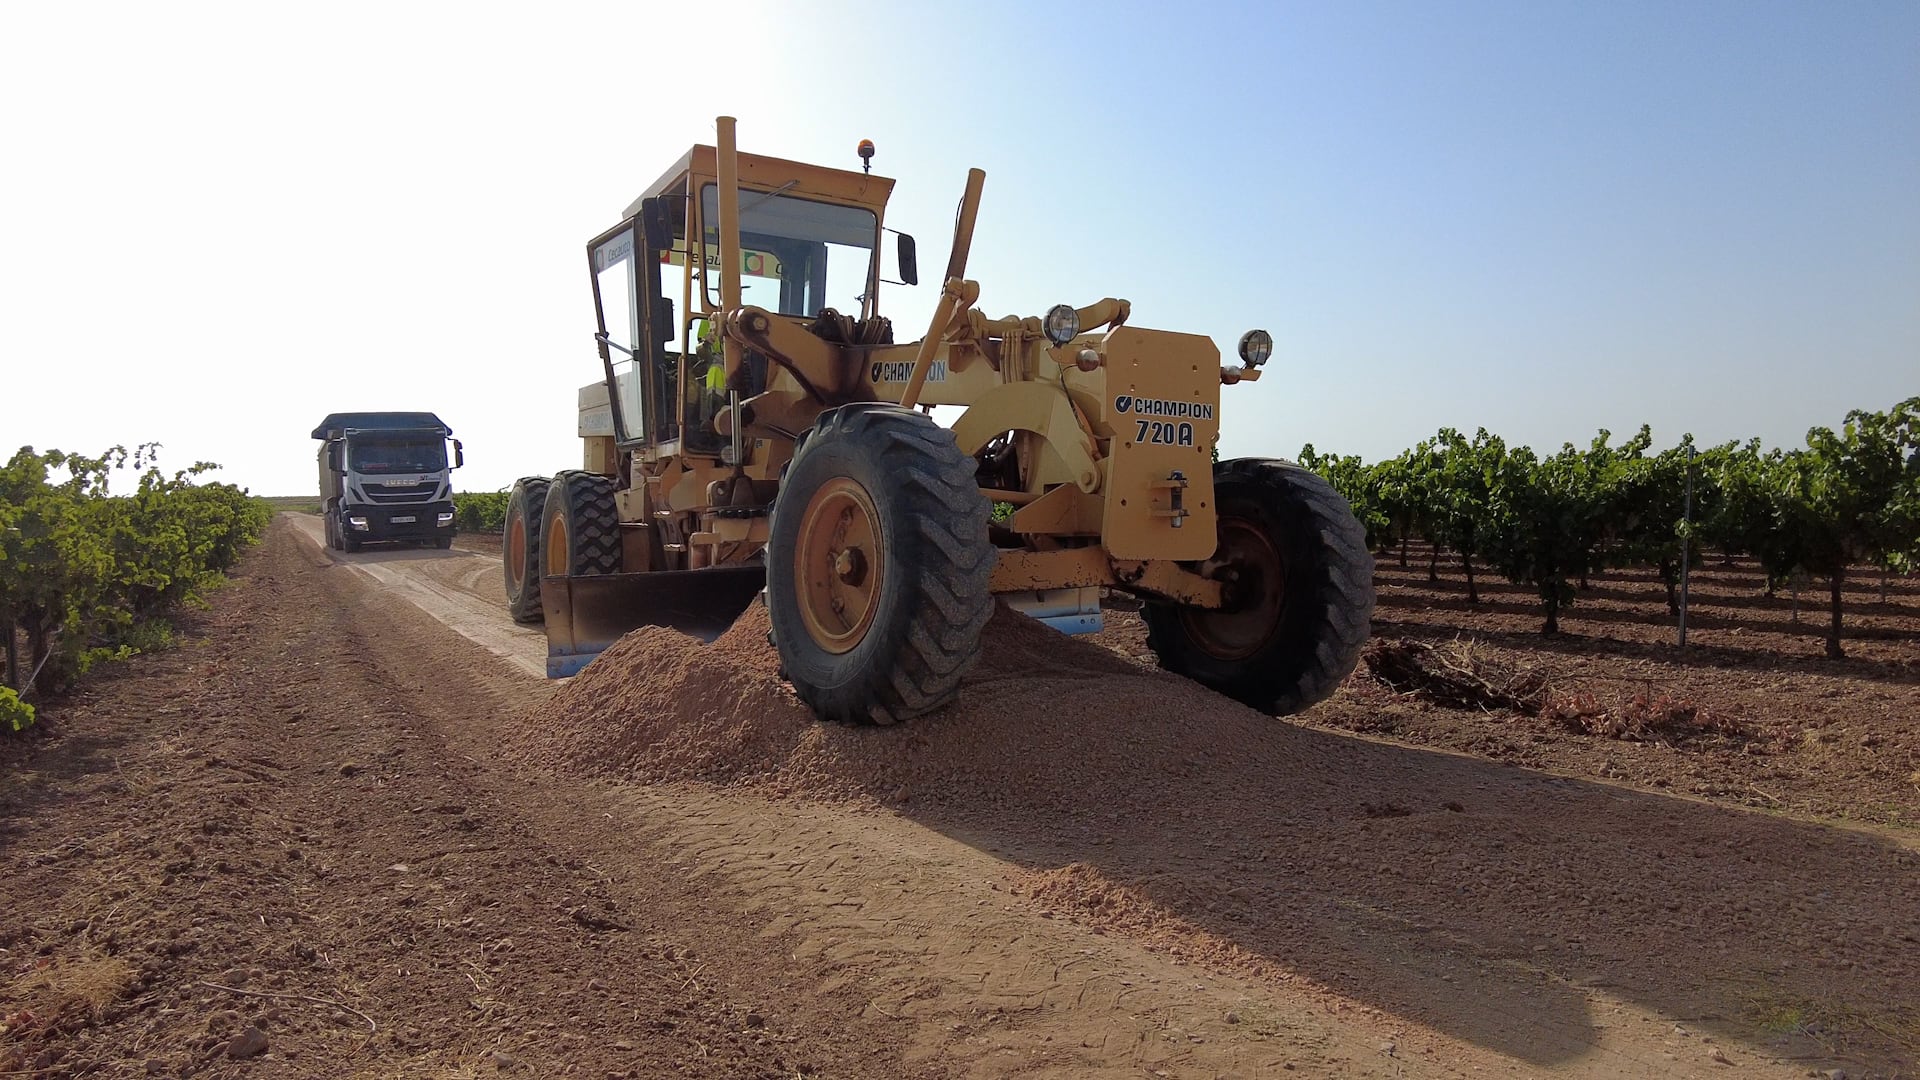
[(756, 431), (385, 478)]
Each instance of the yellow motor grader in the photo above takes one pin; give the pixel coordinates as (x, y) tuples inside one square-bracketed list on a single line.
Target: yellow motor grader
[(752, 435)]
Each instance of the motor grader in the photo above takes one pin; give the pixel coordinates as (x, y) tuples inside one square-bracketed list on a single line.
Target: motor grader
[(758, 431)]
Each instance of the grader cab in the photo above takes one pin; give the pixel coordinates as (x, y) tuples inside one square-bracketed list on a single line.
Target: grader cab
[(750, 436)]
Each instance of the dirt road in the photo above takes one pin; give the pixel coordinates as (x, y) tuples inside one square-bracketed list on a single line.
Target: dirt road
[(461, 589), (315, 843)]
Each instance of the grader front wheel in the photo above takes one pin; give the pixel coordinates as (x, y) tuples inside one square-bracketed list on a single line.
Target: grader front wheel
[(580, 531), (878, 565), (1299, 592)]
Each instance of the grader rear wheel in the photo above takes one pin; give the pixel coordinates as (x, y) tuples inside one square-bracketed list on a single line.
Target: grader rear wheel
[(878, 565), (1299, 589), (520, 547)]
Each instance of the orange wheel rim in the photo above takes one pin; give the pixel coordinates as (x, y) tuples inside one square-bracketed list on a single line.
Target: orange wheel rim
[(1257, 586), (838, 565), (554, 547), (516, 550)]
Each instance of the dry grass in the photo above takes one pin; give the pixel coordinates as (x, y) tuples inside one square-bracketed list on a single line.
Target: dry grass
[(1643, 716), (50, 993), (1837, 1025), (1461, 673), (1466, 674)]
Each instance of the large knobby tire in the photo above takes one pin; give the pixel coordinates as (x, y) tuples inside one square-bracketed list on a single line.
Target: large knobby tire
[(520, 547), (581, 535), (878, 565), (1299, 590)]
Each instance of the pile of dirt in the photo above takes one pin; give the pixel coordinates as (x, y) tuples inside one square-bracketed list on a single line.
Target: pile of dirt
[(659, 706)]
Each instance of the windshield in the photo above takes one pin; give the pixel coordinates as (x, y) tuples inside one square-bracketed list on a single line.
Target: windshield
[(798, 256), (397, 455)]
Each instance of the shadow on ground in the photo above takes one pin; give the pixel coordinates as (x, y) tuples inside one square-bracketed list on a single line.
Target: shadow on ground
[(1482, 899)]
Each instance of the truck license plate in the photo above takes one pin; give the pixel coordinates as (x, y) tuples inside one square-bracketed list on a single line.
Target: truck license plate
[(406, 520)]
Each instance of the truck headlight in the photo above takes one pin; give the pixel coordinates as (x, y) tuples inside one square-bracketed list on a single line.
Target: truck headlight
[(1255, 347), (1062, 324), (358, 523), (446, 519)]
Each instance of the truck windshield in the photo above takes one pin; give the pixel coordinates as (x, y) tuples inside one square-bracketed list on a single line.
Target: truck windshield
[(397, 456), (798, 256)]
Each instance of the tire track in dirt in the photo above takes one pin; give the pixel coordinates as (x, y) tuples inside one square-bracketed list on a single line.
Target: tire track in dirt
[(295, 808), (930, 935), (451, 586)]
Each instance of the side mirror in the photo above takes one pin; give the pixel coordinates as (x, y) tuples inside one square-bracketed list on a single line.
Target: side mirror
[(664, 328), (459, 454), (909, 261), (656, 224)]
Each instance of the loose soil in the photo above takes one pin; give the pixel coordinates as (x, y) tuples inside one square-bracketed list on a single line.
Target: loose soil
[(428, 863), (278, 852)]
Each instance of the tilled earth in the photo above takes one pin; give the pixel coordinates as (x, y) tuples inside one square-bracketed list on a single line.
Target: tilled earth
[(282, 851), (331, 838), (1763, 718)]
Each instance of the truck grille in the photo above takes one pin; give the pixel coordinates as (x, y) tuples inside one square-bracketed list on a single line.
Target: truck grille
[(410, 494)]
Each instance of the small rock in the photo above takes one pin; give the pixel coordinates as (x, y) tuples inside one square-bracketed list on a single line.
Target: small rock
[(755, 1020), (349, 769), (1835, 1074), (251, 1042), (596, 984), (1388, 1048), (155, 1067), (1233, 1018), (1718, 1056), (503, 1062)]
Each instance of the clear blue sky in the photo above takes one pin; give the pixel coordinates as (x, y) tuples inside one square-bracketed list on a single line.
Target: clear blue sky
[(1542, 218)]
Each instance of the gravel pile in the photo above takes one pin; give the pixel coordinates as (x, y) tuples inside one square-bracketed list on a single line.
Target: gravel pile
[(1036, 714)]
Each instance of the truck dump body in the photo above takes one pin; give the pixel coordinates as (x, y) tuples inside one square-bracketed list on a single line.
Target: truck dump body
[(337, 423)]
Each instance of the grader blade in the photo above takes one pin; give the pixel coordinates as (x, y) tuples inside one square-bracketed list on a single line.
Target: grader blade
[(586, 615)]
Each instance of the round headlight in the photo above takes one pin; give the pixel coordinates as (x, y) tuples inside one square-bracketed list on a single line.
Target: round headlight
[(1255, 347), (1062, 324)]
